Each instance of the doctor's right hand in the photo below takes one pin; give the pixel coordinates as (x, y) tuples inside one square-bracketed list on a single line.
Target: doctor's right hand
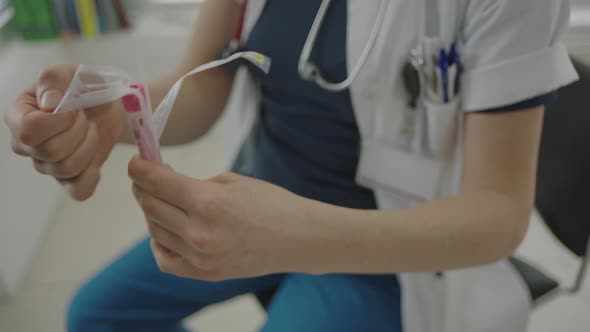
[(71, 146)]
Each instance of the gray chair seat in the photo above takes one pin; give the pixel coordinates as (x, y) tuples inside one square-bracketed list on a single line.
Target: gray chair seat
[(538, 283)]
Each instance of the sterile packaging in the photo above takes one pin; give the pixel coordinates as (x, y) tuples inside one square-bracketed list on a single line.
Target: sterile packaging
[(94, 85)]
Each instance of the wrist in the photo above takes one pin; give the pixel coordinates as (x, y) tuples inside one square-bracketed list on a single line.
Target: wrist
[(317, 239)]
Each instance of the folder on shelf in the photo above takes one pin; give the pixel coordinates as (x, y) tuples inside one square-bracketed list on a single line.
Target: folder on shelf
[(45, 19), (88, 19), (99, 16), (35, 19), (108, 14), (72, 16), (23, 18), (60, 12), (122, 13)]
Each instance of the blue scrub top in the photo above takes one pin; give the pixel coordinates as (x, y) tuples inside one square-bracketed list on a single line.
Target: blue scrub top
[(307, 139)]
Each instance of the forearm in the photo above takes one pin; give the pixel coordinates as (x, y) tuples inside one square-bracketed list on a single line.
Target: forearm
[(484, 223), (467, 230), (202, 98)]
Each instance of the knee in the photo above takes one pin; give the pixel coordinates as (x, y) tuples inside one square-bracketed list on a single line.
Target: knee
[(86, 311)]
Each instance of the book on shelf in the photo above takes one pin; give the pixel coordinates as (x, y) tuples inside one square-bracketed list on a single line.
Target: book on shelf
[(86, 10), (50, 19)]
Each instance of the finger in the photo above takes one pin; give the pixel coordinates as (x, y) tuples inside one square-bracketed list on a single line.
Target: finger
[(165, 214), (165, 249), (226, 178), (52, 84), (76, 163), (37, 126), (19, 148), (165, 257), (172, 243), (83, 186), (178, 265), (62, 145), (26, 102), (31, 126), (161, 182)]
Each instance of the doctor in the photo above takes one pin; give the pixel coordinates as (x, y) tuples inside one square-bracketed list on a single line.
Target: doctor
[(386, 205)]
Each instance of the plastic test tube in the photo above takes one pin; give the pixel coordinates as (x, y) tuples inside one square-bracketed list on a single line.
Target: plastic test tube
[(140, 119)]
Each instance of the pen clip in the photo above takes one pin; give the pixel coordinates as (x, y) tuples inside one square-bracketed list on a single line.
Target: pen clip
[(452, 54), (443, 64), (455, 59)]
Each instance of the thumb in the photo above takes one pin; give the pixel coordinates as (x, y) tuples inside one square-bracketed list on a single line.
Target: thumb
[(52, 84)]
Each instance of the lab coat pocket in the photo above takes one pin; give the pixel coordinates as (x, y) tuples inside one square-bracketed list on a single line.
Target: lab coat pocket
[(441, 127), (406, 173)]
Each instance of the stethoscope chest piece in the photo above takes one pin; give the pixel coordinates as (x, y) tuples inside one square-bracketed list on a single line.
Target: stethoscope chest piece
[(412, 76)]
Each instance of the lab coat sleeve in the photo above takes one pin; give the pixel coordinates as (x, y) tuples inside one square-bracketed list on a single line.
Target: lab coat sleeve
[(511, 51)]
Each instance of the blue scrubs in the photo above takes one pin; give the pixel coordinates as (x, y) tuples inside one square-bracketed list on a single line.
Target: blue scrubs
[(306, 141)]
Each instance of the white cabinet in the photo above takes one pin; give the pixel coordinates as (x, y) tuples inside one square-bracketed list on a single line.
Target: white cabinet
[(27, 200)]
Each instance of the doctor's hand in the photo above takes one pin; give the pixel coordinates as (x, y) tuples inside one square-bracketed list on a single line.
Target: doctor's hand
[(226, 227), (72, 146)]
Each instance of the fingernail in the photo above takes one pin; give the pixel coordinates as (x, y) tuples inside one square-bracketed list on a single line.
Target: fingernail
[(50, 99)]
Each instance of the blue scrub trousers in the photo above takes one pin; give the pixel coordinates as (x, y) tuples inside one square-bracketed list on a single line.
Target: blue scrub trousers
[(131, 295)]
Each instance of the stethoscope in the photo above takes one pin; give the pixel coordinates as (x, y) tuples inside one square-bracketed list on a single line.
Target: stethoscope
[(310, 72), (412, 71), (307, 70)]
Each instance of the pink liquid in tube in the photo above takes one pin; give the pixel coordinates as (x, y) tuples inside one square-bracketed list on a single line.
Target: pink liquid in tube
[(140, 119)]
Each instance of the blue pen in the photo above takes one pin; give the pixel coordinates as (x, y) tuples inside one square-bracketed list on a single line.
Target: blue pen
[(455, 59), (452, 54), (443, 65)]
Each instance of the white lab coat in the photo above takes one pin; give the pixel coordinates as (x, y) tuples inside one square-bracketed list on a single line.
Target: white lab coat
[(511, 52)]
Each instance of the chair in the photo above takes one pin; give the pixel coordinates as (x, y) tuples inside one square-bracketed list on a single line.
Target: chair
[(563, 184), (563, 187)]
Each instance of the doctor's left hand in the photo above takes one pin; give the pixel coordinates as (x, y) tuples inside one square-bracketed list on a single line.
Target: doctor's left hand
[(226, 227)]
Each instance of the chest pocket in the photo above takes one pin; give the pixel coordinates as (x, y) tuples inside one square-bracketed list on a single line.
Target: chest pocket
[(441, 128), (425, 166), (421, 160)]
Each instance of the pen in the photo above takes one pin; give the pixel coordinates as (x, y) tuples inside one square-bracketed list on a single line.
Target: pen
[(455, 59), (452, 54), (443, 64)]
